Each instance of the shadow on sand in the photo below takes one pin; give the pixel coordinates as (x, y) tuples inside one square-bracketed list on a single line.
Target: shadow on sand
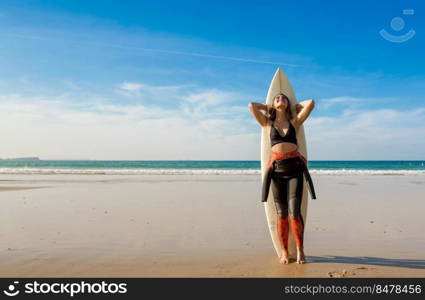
[(377, 261)]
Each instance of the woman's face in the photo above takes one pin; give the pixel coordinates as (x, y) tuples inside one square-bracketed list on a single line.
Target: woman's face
[(280, 101)]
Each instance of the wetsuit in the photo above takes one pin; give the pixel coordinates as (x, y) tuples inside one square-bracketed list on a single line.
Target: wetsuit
[(285, 173)]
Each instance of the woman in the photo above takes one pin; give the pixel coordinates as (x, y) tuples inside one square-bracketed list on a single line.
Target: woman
[(286, 167)]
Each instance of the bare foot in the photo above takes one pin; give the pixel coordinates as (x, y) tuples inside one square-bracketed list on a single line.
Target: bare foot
[(284, 257), (300, 256)]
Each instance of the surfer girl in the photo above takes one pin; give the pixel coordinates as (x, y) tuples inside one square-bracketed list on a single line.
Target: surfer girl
[(286, 167)]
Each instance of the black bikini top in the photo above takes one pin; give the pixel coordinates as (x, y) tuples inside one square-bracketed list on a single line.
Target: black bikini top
[(276, 138)]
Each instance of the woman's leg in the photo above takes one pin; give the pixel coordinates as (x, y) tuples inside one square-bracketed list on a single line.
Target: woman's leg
[(279, 189), (295, 189)]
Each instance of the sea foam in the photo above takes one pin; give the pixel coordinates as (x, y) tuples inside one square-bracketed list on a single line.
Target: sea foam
[(100, 171)]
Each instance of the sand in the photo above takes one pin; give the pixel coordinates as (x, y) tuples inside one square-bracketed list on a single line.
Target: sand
[(204, 226)]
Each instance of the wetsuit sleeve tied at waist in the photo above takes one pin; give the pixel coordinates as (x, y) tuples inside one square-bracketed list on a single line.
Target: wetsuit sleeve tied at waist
[(265, 188)]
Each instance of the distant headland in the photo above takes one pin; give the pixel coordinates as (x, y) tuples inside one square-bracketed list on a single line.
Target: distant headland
[(21, 158)]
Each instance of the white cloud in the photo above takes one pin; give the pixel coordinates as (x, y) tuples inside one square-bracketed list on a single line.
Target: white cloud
[(146, 92), (208, 124), (61, 127), (368, 134), (348, 101), (131, 86), (211, 102)]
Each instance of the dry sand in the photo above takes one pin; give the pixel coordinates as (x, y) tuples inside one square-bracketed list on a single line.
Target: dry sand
[(204, 226)]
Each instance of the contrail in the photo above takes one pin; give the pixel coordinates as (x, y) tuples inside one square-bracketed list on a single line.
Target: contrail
[(256, 61)]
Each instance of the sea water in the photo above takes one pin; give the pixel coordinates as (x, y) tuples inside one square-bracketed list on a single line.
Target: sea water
[(199, 167)]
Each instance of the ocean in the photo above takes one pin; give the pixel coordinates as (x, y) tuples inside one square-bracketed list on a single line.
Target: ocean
[(195, 167)]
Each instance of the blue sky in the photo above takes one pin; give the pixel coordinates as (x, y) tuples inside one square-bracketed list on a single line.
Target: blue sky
[(172, 79)]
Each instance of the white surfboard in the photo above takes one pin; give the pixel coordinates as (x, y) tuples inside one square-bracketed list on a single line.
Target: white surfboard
[(280, 84)]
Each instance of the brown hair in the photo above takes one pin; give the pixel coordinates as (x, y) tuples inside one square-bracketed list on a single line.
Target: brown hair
[(271, 113)]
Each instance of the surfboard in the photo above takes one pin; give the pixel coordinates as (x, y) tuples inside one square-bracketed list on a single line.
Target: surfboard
[(281, 84)]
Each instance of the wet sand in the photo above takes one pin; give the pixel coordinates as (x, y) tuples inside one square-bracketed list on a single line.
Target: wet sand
[(204, 226)]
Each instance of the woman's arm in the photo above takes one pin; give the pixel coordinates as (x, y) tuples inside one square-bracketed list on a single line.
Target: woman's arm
[(303, 110), (255, 108)]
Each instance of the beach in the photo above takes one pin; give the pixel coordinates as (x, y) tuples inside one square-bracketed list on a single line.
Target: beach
[(71, 225)]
